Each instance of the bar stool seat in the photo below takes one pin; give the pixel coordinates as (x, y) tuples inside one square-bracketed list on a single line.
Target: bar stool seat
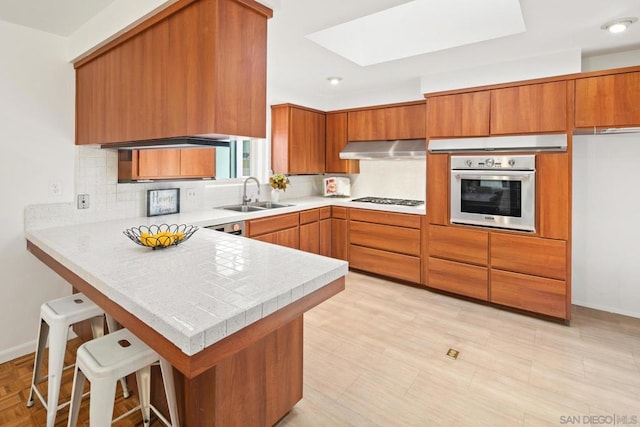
[(56, 317), (102, 361)]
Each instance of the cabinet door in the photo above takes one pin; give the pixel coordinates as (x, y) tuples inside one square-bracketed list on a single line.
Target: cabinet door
[(325, 237), (339, 239), (612, 100), (387, 123), (537, 294), (529, 108), (465, 114), (289, 238), (366, 125), (198, 162), (405, 122), (529, 255), (297, 140), (438, 188), (553, 176), (163, 163), (336, 139), (306, 142), (310, 237), (459, 278)]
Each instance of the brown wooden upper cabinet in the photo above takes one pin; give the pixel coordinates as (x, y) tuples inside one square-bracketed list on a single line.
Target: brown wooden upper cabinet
[(336, 139), (170, 163), (387, 123), (610, 100), (529, 108), (297, 139), (464, 114), (145, 84), (512, 110)]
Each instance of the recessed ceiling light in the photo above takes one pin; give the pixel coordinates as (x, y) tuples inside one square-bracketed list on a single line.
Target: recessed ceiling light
[(619, 25), (334, 80)]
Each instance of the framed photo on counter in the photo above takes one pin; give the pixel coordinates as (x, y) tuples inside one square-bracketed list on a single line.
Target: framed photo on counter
[(163, 202)]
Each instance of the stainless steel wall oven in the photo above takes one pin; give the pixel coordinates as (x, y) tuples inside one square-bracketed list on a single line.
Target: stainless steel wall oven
[(494, 191)]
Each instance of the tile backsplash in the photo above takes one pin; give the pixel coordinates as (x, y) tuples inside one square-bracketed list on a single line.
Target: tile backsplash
[(96, 174)]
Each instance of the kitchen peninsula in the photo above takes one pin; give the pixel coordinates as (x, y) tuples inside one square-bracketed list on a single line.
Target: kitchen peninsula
[(225, 311)]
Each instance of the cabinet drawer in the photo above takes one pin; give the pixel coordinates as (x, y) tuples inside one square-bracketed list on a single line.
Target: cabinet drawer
[(255, 227), (538, 294), (459, 244), (312, 215), (325, 212), (388, 218), (385, 237), (385, 263), (338, 212), (463, 279), (529, 255)]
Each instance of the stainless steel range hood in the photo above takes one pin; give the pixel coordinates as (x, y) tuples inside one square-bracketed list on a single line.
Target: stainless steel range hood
[(378, 150), (546, 142), (178, 142)]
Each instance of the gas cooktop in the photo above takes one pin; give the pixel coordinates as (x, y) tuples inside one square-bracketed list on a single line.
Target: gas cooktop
[(389, 201)]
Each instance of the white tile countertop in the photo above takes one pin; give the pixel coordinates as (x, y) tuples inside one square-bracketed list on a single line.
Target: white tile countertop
[(206, 288), (216, 216), (195, 293)]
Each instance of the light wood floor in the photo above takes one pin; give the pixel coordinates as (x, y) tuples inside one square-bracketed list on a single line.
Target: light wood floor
[(375, 356)]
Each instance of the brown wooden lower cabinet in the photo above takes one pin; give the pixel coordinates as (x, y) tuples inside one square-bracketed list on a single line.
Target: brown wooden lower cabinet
[(339, 233), (281, 230), (532, 293), (459, 278), (386, 237), (459, 244), (529, 255), (399, 266), (325, 236), (310, 237)]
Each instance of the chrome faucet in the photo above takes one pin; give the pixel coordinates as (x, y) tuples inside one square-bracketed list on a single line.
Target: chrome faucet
[(246, 200)]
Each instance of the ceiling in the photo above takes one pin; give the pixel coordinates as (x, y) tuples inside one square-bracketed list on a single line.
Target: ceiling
[(296, 64), (60, 17)]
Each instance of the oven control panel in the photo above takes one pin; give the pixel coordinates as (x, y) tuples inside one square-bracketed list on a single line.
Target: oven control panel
[(525, 162)]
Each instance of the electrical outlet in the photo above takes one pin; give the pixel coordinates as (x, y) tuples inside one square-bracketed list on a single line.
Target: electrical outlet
[(191, 193), (83, 201), (56, 189)]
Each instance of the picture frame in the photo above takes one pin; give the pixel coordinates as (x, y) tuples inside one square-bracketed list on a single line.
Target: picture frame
[(163, 202)]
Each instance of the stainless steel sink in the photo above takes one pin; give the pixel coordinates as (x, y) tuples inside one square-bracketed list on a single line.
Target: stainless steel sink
[(243, 208), (270, 205), (255, 207)]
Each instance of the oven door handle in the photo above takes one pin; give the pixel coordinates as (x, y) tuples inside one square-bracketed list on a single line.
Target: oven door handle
[(514, 177)]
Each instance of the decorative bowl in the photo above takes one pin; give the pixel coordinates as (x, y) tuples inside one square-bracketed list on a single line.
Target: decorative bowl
[(160, 236)]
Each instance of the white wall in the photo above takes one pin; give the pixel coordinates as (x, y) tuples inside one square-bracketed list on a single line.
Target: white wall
[(36, 148), (606, 207), (555, 64)]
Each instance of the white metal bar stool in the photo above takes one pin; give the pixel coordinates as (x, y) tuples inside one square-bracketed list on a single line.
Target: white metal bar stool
[(56, 317), (102, 361)]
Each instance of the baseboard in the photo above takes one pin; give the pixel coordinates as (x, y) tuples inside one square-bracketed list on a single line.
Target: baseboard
[(17, 351), (607, 309)]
